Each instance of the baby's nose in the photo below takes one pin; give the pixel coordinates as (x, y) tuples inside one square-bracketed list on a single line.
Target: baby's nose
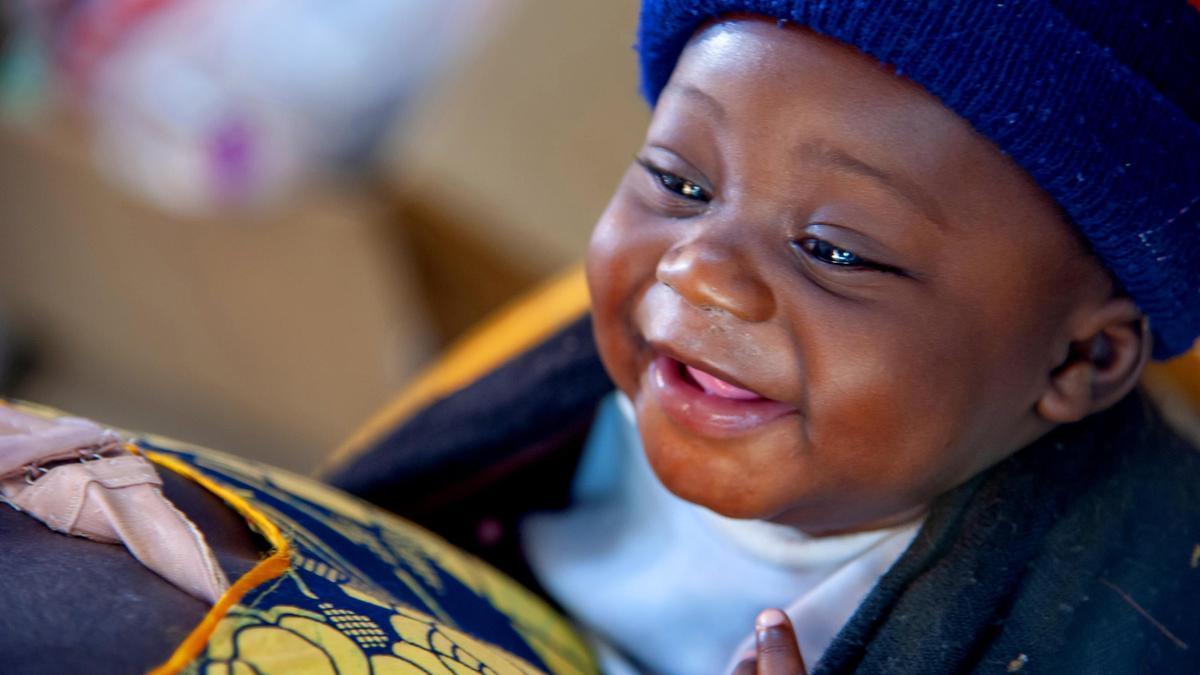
[(712, 276)]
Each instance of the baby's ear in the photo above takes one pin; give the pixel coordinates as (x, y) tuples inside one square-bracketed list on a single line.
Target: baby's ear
[(1109, 349)]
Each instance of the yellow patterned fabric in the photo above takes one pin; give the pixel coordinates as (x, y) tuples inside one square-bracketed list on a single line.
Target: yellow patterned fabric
[(365, 591)]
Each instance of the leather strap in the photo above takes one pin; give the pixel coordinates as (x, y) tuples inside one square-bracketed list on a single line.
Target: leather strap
[(72, 475)]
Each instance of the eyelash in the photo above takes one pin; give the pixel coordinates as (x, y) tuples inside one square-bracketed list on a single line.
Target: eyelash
[(676, 185), (828, 254)]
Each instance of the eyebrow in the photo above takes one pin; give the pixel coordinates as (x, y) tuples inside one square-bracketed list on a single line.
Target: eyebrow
[(705, 99), (825, 154)]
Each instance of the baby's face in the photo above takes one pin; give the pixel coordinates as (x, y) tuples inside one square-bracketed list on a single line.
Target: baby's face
[(829, 299)]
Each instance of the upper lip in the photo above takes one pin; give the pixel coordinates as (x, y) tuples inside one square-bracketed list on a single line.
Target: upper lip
[(702, 364)]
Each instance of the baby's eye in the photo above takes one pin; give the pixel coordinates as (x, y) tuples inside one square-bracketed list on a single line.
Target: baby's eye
[(832, 255), (676, 184)]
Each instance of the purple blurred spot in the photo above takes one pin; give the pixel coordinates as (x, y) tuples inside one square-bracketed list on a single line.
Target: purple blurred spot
[(231, 160), (489, 531)]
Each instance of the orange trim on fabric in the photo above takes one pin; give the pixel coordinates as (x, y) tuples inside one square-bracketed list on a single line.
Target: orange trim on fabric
[(509, 331), (267, 569)]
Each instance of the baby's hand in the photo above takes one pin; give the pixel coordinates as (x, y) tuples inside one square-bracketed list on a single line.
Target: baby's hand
[(777, 652)]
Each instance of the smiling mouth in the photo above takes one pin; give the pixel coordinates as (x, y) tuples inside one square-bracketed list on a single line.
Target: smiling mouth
[(715, 386), (706, 404)]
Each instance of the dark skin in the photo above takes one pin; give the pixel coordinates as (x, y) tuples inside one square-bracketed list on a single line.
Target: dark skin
[(906, 304)]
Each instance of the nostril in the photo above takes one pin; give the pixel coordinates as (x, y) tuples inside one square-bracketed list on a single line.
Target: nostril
[(714, 278)]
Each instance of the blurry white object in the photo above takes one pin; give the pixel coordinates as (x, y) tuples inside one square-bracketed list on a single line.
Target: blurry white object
[(212, 103)]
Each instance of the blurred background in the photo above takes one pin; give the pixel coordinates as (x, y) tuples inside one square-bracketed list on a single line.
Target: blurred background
[(248, 224)]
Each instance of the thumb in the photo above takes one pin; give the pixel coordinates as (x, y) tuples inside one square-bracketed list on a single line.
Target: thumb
[(777, 650)]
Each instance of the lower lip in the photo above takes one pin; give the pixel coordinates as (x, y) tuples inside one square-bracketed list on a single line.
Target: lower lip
[(690, 407)]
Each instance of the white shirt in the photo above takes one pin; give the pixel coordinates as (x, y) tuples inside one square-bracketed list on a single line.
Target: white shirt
[(675, 587)]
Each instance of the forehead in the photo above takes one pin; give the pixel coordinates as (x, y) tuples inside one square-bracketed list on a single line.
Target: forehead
[(762, 92), (757, 62)]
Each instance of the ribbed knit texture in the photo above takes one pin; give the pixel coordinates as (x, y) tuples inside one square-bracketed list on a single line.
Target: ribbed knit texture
[(1098, 101)]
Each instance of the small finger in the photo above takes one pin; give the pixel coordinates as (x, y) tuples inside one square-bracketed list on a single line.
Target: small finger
[(777, 650)]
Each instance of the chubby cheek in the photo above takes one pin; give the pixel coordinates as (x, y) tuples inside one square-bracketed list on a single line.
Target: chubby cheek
[(621, 262), (879, 429), (898, 421)]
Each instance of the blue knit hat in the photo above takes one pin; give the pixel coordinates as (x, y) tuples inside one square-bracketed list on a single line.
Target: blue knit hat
[(1098, 100)]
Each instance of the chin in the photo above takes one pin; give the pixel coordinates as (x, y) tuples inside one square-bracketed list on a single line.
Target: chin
[(721, 489)]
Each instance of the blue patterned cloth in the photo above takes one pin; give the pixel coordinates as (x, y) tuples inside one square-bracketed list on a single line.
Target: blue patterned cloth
[(366, 592)]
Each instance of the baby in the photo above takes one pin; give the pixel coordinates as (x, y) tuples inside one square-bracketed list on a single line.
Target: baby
[(876, 294)]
